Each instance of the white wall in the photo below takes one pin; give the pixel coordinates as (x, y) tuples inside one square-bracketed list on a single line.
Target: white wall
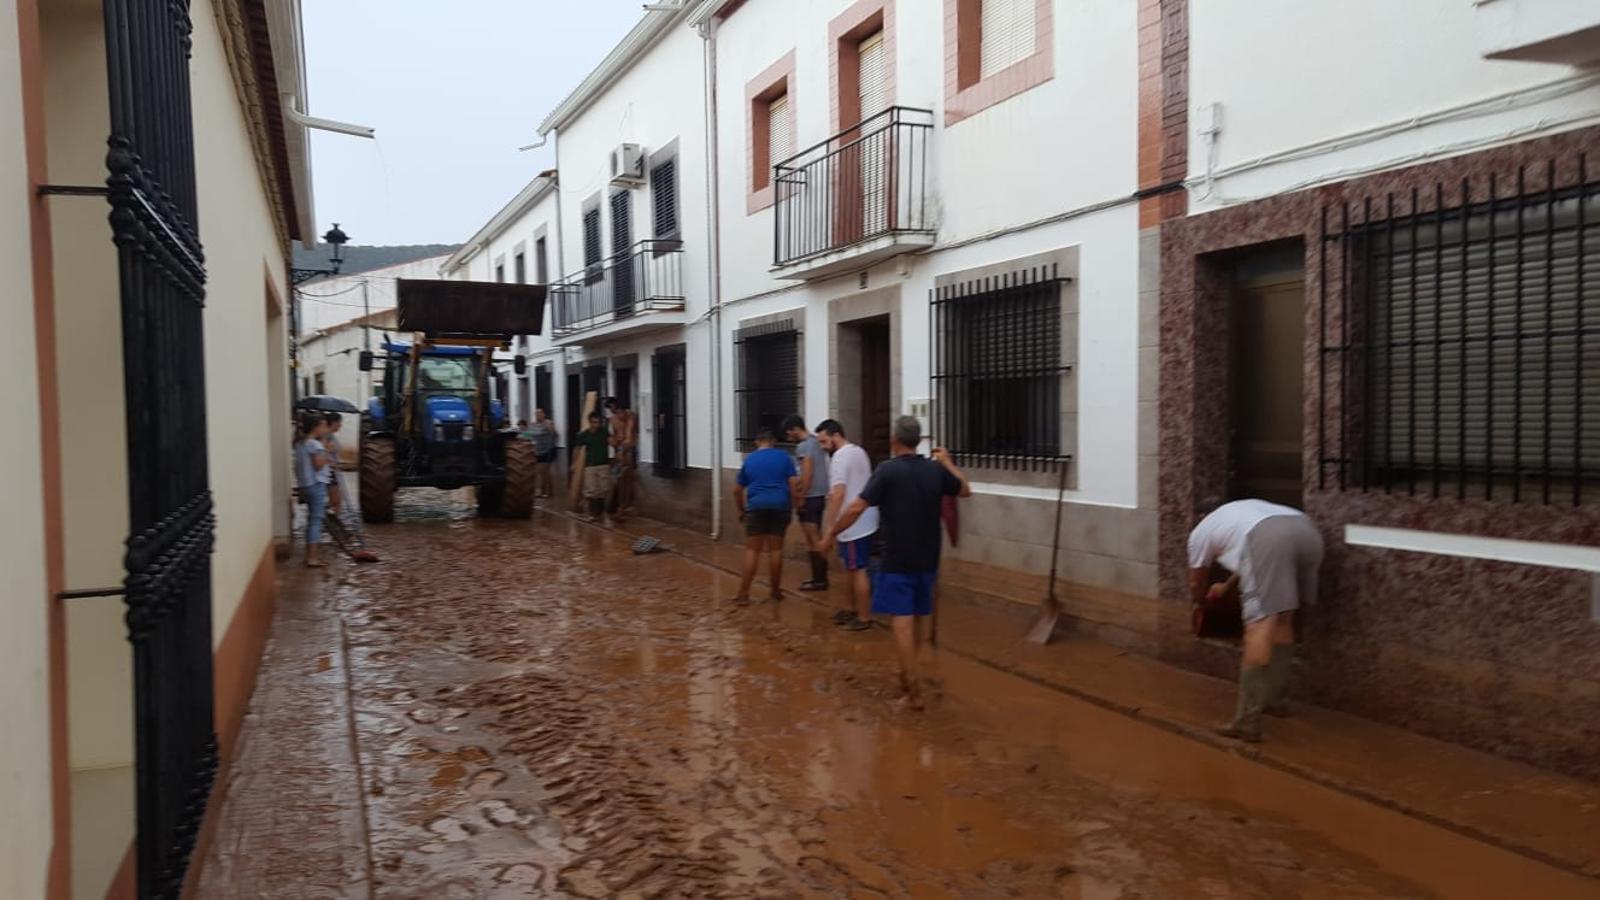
[(24, 704), (1293, 76), (659, 100), (89, 371), (327, 302), (245, 265), (1065, 144)]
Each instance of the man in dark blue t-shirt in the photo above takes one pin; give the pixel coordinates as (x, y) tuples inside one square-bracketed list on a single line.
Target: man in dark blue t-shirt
[(765, 494), (908, 491)]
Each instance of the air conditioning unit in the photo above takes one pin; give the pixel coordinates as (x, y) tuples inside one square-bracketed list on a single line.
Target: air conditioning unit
[(627, 165)]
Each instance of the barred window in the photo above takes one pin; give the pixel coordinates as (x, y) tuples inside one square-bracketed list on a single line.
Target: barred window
[(769, 386), (999, 370), (1462, 351)]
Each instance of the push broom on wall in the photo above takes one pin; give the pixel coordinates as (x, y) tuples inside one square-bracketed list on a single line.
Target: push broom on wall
[(1050, 610)]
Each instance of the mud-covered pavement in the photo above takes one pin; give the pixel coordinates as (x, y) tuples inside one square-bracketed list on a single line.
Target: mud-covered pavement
[(505, 709)]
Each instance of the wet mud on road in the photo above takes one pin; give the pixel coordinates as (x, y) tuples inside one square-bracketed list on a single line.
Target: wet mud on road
[(534, 711)]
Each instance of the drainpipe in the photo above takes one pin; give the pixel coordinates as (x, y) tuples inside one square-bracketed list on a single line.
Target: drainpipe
[(708, 32)]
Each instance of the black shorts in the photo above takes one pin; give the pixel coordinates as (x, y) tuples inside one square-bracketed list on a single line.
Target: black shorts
[(810, 512), (549, 456), (759, 522)]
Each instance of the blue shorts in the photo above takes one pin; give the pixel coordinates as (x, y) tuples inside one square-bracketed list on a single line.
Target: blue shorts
[(854, 554), (903, 593)]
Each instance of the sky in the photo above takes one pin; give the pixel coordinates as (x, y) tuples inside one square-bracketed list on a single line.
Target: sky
[(453, 90)]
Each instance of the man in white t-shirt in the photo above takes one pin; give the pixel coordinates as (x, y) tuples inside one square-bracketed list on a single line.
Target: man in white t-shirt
[(848, 472), (1273, 553)]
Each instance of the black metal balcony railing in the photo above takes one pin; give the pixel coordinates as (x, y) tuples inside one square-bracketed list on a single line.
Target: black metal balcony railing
[(648, 277), (865, 182)]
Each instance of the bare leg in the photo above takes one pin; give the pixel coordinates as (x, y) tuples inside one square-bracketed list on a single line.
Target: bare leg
[(905, 644), (775, 565), (752, 554), (861, 592)]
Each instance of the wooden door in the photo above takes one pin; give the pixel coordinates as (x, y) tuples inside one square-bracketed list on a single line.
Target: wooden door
[(877, 414)]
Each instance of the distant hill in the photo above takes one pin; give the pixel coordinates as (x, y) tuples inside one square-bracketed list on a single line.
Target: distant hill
[(359, 258)]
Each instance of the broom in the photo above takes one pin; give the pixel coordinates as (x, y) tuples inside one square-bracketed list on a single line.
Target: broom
[(1050, 609)]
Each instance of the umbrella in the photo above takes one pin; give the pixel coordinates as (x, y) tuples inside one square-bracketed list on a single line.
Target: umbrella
[(326, 403)]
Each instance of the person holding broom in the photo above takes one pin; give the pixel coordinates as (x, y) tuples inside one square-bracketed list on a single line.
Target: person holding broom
[(908, 490)]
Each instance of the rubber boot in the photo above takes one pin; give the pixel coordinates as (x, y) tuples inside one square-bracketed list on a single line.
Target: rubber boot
[(1246, 724), (1278, 672), (819, 568)]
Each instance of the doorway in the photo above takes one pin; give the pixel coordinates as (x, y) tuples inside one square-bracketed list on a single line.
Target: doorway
[(865, 387), (1266, 373), (574, 406)]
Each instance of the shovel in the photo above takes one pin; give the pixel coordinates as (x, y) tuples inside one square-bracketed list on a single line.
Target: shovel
[(1050, 609)]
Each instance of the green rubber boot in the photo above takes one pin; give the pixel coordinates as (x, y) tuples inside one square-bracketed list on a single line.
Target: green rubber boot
[(1246, 724), (1278, 672)]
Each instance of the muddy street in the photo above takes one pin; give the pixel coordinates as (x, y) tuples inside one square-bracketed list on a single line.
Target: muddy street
[(509, 709)]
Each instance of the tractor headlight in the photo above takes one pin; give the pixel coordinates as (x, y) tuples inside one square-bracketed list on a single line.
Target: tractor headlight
[(466, 433), (438, 432)]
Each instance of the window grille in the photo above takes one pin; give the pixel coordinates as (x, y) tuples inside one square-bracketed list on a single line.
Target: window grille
[(541, 262), (1006, 34), (769, 387), (520, 268), (664, 197), (999, 372), (1460, 348)]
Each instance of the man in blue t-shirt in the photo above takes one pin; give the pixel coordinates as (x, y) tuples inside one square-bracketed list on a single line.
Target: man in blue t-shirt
[(765, 494), (907, 491)]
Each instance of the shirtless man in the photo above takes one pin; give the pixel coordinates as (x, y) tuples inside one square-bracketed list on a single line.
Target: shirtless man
[(625, 441)]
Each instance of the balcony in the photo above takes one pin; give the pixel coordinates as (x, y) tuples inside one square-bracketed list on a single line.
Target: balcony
[(640, 290), (858, 197), (1566, 32)]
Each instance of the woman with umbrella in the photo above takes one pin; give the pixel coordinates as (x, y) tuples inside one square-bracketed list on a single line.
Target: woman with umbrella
[(349, 538)]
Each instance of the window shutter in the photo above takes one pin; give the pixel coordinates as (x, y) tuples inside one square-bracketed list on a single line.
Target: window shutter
[(874, 80), (1477, 373), (591, 237), (780, 130), (664, 197), (1008, 34)]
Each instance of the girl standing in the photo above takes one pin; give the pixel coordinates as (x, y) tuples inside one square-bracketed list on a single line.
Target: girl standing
[(310, 458)]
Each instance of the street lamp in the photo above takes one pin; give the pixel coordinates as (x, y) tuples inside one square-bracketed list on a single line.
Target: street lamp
[(335, 238)]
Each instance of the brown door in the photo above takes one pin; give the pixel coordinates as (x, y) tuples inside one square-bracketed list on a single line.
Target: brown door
[(1268, 384), (876, 412)]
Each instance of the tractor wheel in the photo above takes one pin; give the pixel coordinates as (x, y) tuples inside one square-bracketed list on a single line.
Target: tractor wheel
[(377, 479), (516, 497)]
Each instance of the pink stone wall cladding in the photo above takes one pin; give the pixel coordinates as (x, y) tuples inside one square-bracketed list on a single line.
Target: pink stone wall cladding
[(1496, 656), (960, 49)]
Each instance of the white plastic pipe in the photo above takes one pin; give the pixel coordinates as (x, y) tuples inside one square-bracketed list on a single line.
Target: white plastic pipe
[(300, 118)]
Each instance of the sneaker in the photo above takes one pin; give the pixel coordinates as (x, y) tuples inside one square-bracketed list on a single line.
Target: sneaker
[(841, 616), (857, 624), (813, 585)]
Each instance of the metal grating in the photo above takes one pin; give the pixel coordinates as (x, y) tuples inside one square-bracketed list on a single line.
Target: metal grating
[(999, 375), (1460, 339), (769, 387)]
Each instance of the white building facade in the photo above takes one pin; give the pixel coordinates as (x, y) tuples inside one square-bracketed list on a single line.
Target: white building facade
[(1107, 249)]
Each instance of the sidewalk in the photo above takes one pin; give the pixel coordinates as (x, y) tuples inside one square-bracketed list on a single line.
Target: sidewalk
[(1547, 817)]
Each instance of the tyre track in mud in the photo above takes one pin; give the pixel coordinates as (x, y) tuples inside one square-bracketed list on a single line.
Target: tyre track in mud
[(546, 717)]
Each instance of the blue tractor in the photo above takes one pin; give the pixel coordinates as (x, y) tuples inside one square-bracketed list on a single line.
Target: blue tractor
[(435, 421)]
